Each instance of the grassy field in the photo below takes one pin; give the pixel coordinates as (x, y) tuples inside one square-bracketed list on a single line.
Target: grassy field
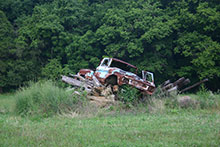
[(7, 103), (175, 127), (161, 124), (183, 128)]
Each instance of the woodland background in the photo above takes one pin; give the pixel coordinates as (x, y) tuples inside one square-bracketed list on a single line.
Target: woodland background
[(46, 38)]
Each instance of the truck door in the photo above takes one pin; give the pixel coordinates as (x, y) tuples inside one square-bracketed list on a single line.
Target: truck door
[(103, 69), (148, 76)]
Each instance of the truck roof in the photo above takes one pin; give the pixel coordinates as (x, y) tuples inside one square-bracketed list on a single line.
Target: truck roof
[(118, 60)]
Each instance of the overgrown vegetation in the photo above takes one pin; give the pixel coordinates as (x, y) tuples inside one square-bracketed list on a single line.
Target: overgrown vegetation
[(128, 94), (155, 121), (162, 101), (46, 99)]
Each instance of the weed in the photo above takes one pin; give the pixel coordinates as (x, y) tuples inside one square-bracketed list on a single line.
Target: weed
[(128, 95), (156, 106), (207, 99), (46, 99)]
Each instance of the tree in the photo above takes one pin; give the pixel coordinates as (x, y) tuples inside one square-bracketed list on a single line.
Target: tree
[(7, 49), (169, 38), (197, 45)]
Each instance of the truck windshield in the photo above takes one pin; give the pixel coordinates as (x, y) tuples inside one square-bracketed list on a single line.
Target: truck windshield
[(123, 66)]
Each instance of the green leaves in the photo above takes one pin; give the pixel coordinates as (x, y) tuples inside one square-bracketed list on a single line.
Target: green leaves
[(6, 48), (169, 38), (200, 46)]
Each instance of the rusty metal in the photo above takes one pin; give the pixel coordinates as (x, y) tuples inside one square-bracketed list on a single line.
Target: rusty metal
[(117, 72)]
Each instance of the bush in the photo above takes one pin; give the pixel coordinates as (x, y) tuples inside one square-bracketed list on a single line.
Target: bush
[(45, 99), (128, 94)]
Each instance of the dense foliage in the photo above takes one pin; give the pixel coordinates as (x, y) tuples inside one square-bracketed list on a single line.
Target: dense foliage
[(169, 38)]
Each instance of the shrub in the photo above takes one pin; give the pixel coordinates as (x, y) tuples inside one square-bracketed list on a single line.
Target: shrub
[(46, 99), (128, 94)]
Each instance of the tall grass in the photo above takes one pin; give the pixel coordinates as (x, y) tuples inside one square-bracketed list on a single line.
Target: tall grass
[(161, 101), (208, 99), (203, 99), (45, 99)]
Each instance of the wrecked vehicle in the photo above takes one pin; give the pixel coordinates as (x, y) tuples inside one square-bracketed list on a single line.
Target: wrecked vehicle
[(115, 72), (101, 85)]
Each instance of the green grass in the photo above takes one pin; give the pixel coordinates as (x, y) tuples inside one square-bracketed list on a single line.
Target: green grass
[(7, 103), (160, 126), (45, 98), (184, 128), (207, 99)]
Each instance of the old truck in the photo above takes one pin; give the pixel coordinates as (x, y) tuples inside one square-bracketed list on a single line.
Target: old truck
[(103, 83), (115, 72)]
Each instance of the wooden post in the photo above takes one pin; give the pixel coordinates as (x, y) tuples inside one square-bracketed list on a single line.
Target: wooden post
[(194, 85), (187, 81), (179, 81)]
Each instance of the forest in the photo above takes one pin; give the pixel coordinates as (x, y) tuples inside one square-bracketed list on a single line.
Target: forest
[(42, 39)]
